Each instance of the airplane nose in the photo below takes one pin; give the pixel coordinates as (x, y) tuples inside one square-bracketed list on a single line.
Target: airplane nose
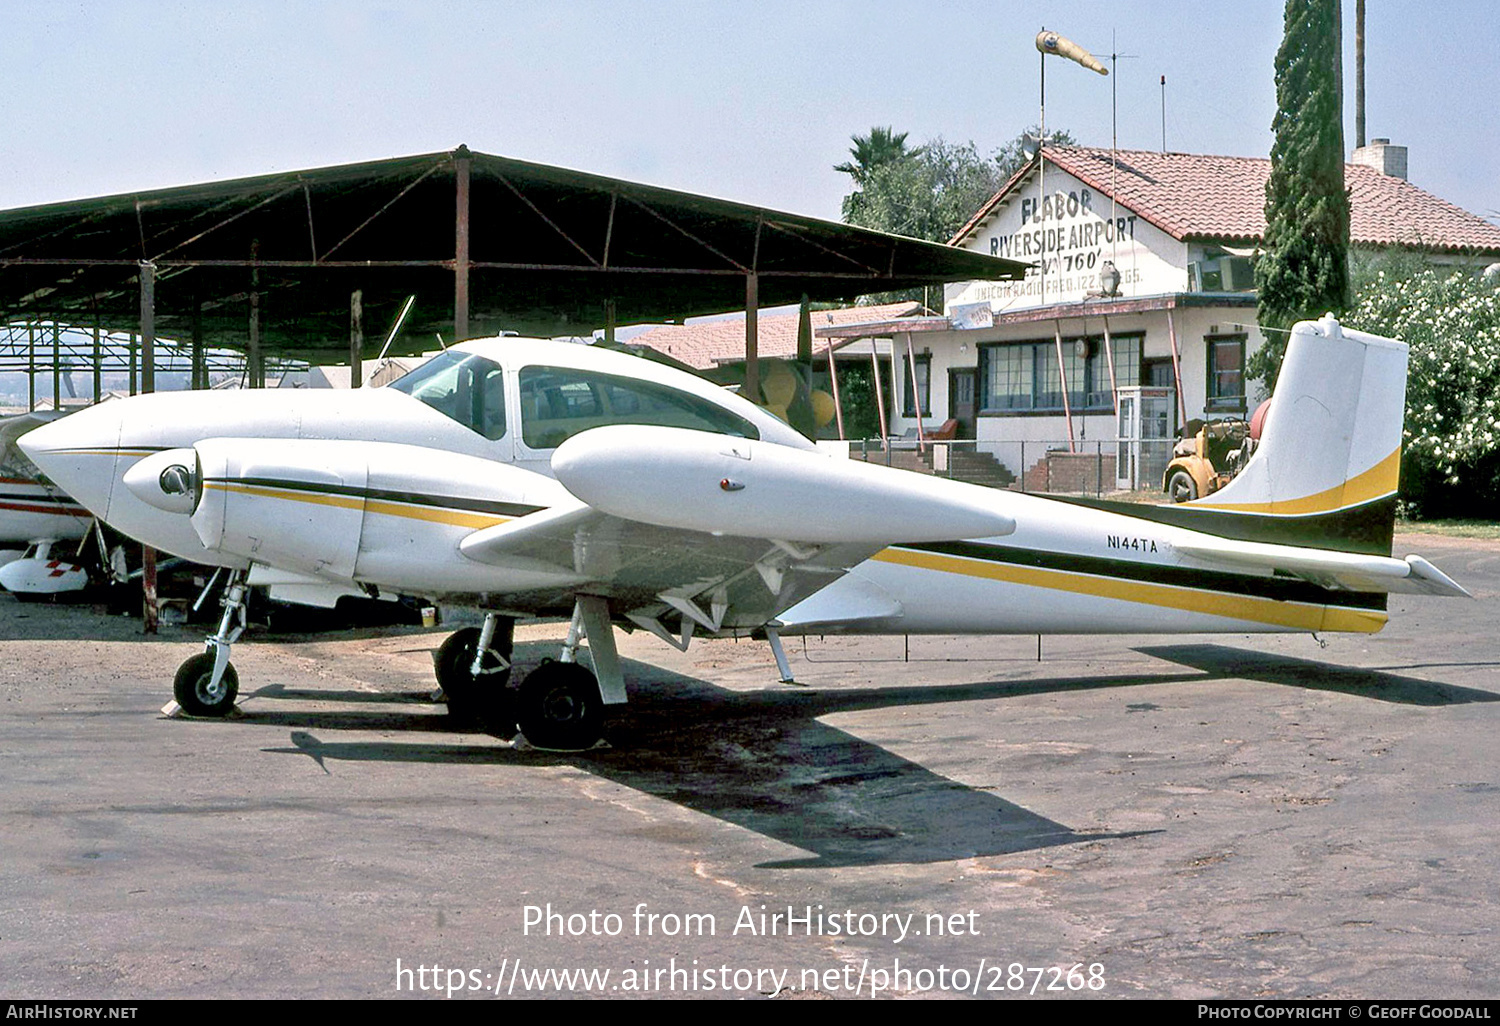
[(80, 453)]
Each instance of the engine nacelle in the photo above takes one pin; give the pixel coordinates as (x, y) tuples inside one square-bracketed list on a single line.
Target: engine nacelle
[(338, 509), (291, 503)]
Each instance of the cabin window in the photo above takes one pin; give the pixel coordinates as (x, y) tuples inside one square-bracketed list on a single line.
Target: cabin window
[(559, 402), (468, 388)]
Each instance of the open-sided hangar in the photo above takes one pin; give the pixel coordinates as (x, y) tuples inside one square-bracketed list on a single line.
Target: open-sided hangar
[(296, 263)]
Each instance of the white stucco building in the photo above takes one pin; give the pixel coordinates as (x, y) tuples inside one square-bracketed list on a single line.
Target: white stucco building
[(1047, 361)]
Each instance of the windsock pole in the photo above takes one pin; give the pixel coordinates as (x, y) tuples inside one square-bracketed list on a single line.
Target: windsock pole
[(1051, 42)]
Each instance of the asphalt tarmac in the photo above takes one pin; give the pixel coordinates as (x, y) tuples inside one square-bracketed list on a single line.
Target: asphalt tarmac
[(1178, 817)]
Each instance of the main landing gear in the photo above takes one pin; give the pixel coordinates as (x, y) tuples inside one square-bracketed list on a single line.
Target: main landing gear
[(560, 705), (475, 685), (206, 684)]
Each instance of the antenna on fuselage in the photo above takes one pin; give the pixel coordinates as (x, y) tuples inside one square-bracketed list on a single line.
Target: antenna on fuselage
[(396, 328)]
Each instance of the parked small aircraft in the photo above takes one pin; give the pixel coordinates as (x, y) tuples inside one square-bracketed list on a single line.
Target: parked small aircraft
[(34, 516), (540, 478)]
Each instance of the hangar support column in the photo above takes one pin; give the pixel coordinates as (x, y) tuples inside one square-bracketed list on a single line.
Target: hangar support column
[(148, 326), (199, 374), (150, 611), (752, 338), (56, 364), (356, 337), (462, 163), (255, 363)]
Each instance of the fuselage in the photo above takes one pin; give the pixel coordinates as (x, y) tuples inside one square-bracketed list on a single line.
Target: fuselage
[(379, 487)]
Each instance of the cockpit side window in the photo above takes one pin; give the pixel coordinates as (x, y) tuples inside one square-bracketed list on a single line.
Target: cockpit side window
[(559, 402), (465, 387)]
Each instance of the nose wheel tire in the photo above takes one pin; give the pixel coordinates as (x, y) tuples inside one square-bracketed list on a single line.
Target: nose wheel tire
[(559, 707), (484, 699), (195, 692)]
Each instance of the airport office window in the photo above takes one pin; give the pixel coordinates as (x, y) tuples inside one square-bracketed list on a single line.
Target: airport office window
[(1017, 377), (924, 386), (1226, 372)]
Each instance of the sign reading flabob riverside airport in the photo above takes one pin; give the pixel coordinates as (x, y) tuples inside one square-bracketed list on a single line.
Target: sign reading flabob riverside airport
[(1068, 234)]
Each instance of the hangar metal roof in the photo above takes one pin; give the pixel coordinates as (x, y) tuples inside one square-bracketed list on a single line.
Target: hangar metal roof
[(544, 248)]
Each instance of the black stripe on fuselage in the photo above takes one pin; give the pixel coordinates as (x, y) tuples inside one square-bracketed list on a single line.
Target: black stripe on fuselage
[(1283, 589), (1367, 529), (504, 509)]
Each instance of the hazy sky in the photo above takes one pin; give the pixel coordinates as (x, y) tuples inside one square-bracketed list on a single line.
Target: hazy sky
[(753, 101)]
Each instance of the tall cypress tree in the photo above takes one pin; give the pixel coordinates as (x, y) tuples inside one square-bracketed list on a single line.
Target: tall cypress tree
[(1304, 271)]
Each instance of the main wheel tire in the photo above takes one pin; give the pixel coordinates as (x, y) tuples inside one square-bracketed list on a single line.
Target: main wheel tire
[(485, 699), (559, 706), (191, 687), (1181, 486)]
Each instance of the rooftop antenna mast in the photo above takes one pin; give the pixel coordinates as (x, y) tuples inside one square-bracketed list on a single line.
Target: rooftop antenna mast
[(1114, 150), (1164, 113)]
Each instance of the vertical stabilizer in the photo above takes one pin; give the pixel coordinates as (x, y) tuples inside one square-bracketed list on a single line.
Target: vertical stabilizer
[(1332, 436)]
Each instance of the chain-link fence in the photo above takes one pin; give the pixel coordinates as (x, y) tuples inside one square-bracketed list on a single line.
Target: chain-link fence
[(1094, 467)]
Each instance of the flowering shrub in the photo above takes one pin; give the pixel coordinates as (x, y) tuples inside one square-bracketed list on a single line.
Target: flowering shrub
[(1451, 320)]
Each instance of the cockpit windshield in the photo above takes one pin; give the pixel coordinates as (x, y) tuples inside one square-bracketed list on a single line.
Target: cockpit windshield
[(466, 387), (559, 402)]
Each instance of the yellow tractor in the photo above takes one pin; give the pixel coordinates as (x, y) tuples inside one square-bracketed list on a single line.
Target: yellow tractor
[(1208, 456)]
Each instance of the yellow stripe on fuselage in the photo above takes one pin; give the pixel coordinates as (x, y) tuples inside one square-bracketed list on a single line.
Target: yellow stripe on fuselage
[(1376, 483), (1297, 615), (457, 518)]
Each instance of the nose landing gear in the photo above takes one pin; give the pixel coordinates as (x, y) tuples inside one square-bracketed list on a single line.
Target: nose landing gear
[(206, 684)]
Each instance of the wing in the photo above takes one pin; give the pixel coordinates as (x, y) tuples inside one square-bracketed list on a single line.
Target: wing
[(650, 572)]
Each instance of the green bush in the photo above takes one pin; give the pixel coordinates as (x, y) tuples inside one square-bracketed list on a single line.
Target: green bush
[(1450, 466)]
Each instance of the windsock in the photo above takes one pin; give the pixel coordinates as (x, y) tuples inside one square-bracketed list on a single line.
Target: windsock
[(1051, 42)]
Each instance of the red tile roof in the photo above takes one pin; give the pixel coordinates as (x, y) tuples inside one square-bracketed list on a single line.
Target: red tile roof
[(710, 343), (1193, 196)]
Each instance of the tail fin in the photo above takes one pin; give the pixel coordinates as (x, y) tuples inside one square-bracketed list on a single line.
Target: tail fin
[(1330, 451), (1324, 477), (1325, 474), (1332, 437)]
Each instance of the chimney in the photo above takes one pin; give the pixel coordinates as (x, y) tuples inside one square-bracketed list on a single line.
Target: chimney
[(1383, 157)]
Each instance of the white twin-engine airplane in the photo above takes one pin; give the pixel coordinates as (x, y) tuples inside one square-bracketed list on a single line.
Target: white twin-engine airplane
[(540, 478)]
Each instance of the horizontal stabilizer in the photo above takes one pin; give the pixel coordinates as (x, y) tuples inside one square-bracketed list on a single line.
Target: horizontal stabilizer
[(1349, 571), (1427, 579)]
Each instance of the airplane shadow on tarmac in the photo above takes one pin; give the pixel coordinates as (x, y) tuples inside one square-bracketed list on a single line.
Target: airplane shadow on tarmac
[(764, 761)]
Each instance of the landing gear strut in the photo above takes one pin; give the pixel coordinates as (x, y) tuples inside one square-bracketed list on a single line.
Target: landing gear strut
[(473, 667), (560, 704), (206, 684)]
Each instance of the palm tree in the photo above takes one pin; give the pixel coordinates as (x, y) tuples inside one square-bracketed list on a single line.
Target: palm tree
[(881, 146)]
